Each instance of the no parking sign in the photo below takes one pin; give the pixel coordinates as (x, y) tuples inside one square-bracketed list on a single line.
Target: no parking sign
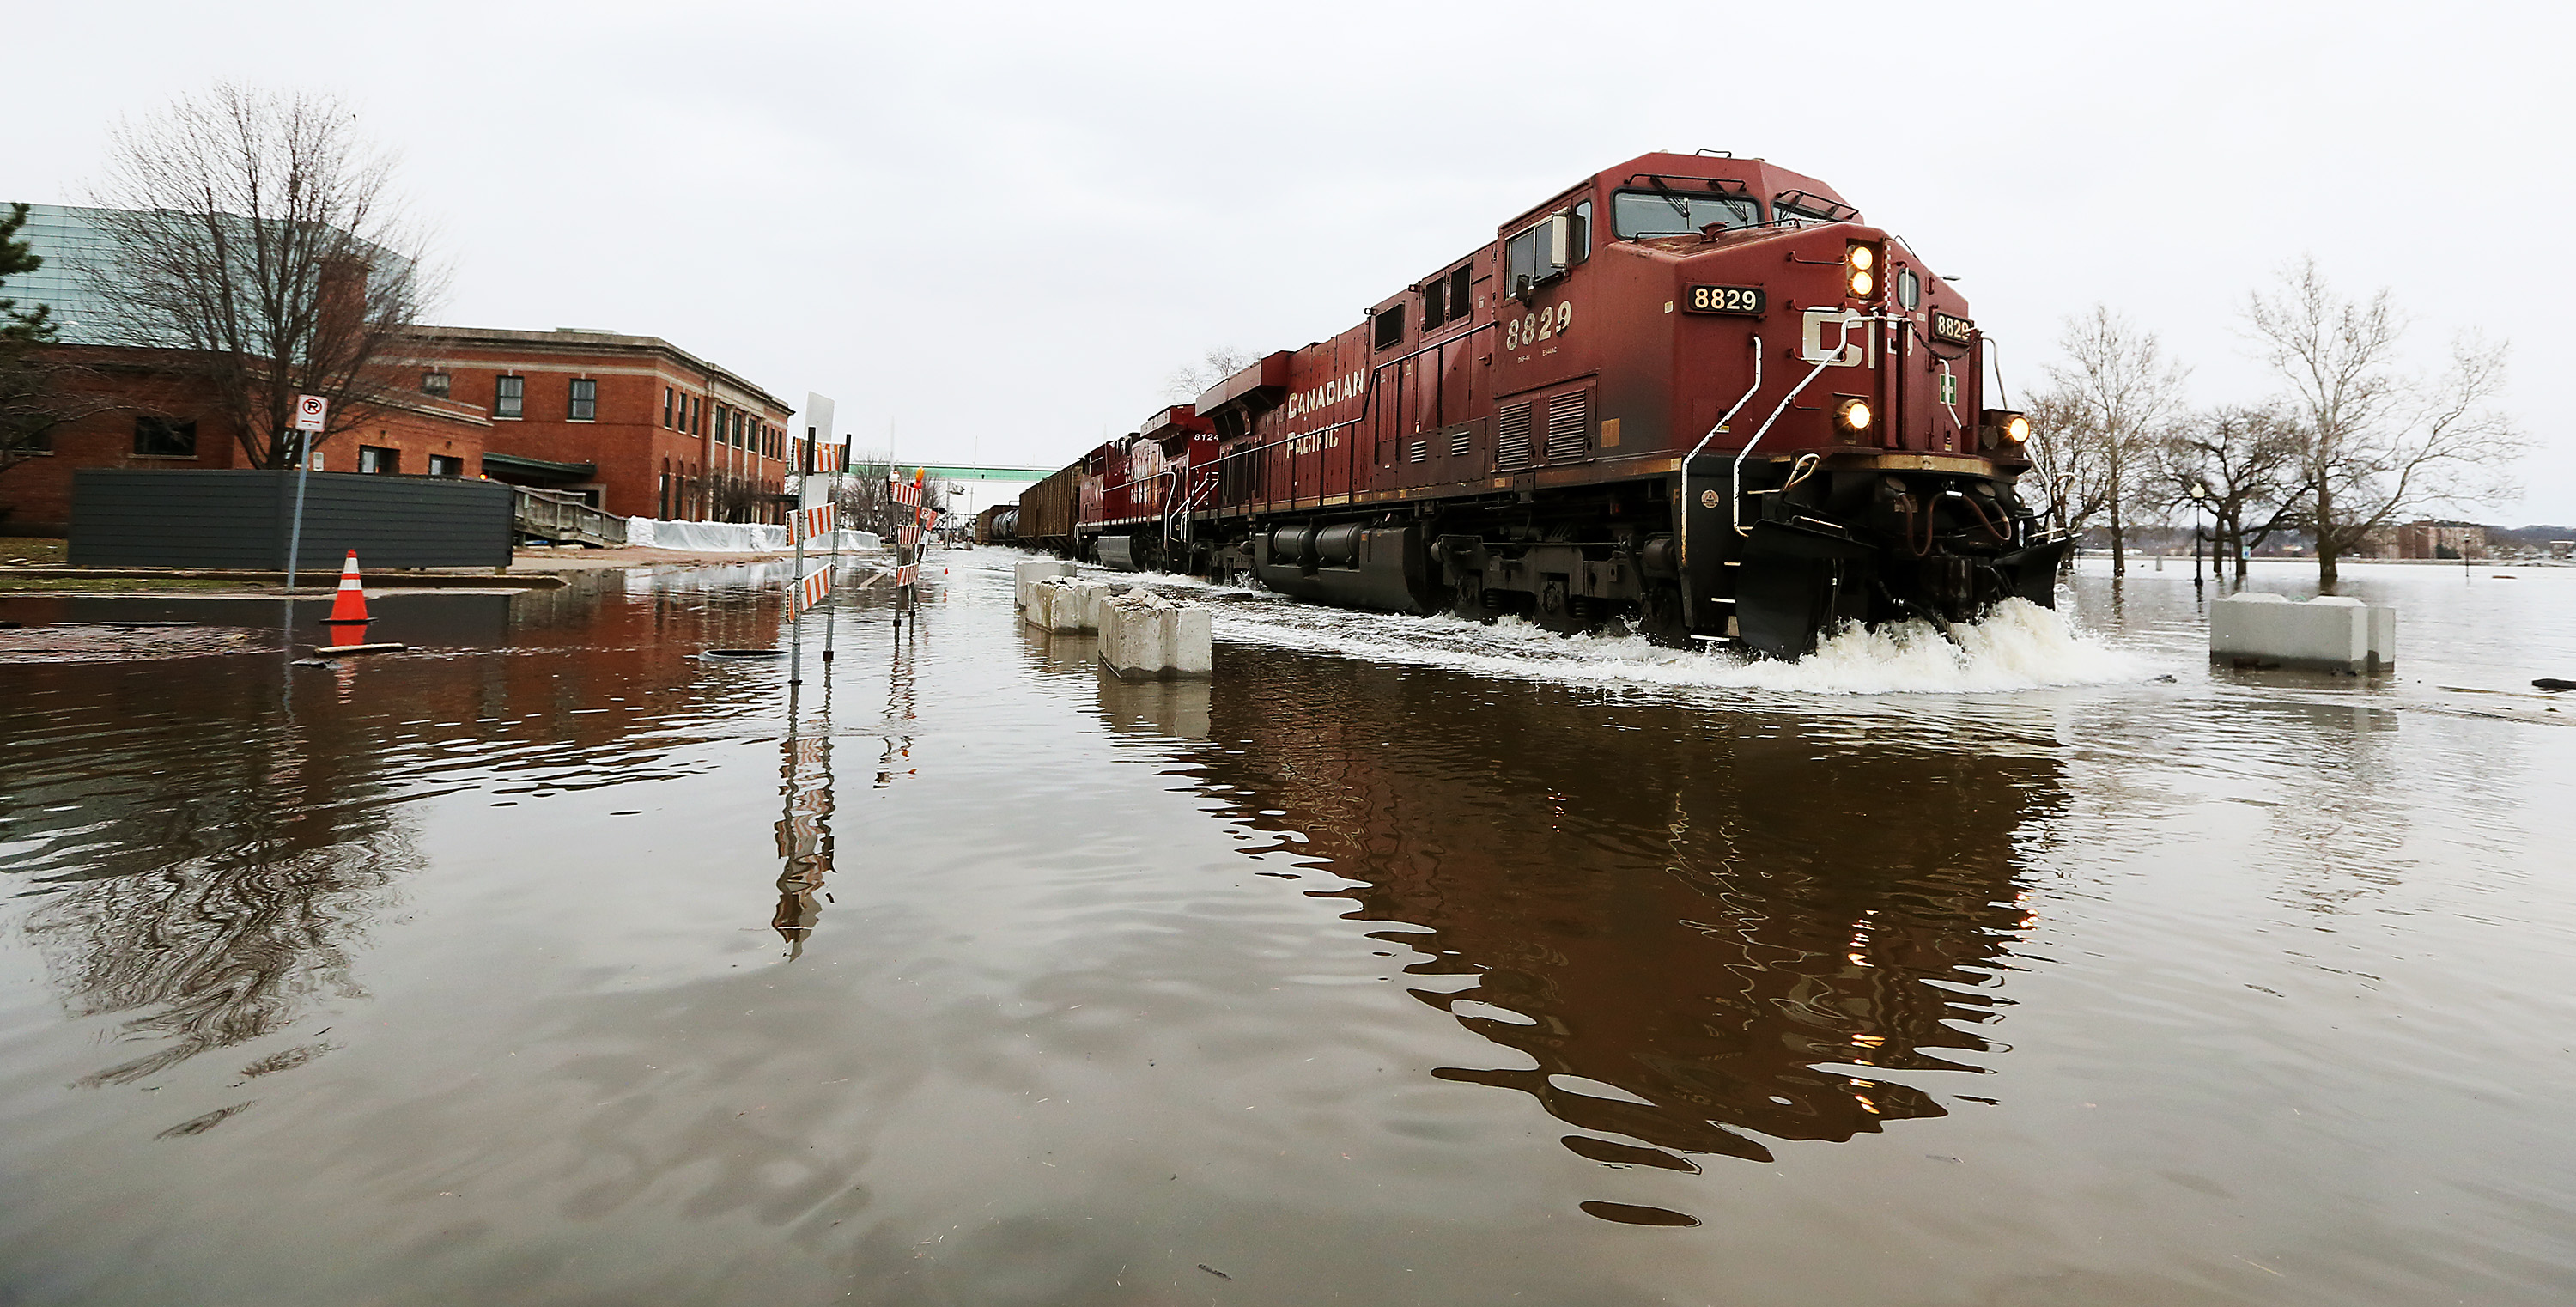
[(309, 410)]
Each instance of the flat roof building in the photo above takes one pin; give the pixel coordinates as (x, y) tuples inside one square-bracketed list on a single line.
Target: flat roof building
[(639, 426)]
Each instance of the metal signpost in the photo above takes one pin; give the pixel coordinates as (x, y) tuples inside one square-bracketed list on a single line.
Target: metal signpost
[(819, 467), (309, 413)]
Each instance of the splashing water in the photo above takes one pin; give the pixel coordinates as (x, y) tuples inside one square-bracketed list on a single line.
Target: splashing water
[(2018, 646)]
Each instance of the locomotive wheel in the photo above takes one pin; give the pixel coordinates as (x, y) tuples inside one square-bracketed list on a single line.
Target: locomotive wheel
[(1470, 601), (1659, 617), (1556, 609)]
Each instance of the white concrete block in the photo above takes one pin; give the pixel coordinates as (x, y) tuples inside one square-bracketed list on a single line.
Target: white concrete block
[(1187, 646), (2329, 633), (1148, 637), (1131, 637), (1087, 597), (1062, 599), (1033, 571)]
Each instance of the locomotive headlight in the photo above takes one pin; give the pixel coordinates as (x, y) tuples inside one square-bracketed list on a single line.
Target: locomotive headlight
[(1860, 268), (1852, 415), (1997, 426)]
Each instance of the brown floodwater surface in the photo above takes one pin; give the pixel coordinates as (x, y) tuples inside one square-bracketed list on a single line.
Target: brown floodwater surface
[(1404, 961)]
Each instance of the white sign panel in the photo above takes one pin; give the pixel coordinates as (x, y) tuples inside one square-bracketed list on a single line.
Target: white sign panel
[(818, 429), (309, 411)]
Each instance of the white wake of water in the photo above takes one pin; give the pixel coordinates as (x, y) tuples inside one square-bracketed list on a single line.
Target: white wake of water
[(2018, 646)]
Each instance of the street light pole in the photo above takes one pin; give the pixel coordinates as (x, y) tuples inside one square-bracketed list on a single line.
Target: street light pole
[(2199, 501)]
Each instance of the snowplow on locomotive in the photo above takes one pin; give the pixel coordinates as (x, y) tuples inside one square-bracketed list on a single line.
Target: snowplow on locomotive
[(1693, 392)]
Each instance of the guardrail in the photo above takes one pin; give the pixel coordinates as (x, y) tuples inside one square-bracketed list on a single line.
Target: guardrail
[(555, 515)]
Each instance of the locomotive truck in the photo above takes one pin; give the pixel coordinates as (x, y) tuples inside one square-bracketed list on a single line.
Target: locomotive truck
[(1696, 393)]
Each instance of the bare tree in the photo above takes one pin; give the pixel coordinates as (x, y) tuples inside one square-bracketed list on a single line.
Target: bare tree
[(2066, 463), (2111, 399), (39, 396), (258, 233), (865, 498), (2246, 462), (734, 498), (1191, 380), (2378, 443)]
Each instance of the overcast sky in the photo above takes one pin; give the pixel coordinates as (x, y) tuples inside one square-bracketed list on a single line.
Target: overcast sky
[(994, 229)]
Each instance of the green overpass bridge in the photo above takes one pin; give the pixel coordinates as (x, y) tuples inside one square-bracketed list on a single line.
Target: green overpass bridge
[(980, 472)]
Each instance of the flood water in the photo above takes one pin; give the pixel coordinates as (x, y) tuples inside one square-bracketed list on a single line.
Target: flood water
[(1404, 962)]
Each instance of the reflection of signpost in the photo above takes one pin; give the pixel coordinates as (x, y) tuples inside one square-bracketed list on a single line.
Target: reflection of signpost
[(310, 413)]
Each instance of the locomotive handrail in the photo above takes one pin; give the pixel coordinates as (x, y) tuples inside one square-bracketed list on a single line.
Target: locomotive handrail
[(1736, 488), (1740, 402)]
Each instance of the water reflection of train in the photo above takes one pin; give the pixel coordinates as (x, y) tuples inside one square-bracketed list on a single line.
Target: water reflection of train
[(1700, 393), (1775, 930)]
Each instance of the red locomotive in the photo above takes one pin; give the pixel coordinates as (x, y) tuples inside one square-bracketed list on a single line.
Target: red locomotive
[(1695, 392)]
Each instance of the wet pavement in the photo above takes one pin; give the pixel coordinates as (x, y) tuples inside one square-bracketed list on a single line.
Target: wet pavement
[(1407, 961)]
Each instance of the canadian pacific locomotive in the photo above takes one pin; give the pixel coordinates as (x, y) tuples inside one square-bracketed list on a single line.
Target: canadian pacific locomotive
[(1694, 392)]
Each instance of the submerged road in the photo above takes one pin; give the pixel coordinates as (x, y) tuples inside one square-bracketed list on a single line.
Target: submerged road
[(1406, 962)]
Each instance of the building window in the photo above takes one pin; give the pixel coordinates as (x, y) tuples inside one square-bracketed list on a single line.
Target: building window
[(375, 458), (434, 383), (667, 393), (509, 397), (446, 465), (164, 438), (585, 400)]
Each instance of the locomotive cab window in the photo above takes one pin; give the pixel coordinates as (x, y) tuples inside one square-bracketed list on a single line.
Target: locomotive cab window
[(1462, 292), (1435, 302), (1668, 213), (1543, 253)]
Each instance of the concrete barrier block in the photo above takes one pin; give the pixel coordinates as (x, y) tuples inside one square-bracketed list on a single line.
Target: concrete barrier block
[(2327, 633), (1033, 571), (1187, 644), (1131, 637), (1147, 637), (1062, 599), (1087, 597)]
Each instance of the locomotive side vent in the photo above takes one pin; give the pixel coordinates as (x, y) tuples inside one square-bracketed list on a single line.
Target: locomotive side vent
[(1569, 436), (1421, 450), (1511, 438), (1462, 442)]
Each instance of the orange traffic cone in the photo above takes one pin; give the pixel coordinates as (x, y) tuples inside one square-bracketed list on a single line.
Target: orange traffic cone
[(349, 606)]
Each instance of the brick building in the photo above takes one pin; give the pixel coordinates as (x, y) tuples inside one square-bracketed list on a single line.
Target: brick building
[(2441, 540), (148, 412), (635, 424)]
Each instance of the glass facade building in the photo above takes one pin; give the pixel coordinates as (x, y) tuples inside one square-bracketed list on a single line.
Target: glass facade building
[(78, 260), (80, 257)]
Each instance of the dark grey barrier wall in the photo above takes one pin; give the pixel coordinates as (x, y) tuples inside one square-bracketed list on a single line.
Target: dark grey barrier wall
[(227, 518)]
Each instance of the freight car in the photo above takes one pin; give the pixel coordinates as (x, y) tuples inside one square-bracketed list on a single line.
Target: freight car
[(997, 525), (1694, 392)]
